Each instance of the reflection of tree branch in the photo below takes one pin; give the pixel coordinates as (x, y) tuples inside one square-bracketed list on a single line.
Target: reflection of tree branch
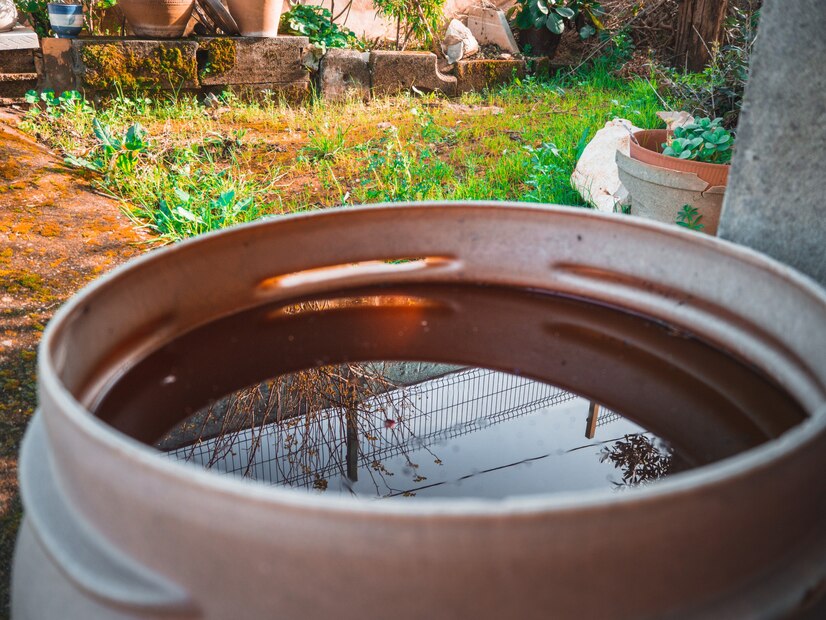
[(640, 459)]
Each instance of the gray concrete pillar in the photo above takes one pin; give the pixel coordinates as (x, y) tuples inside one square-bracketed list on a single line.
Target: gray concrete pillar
[(776, 197)]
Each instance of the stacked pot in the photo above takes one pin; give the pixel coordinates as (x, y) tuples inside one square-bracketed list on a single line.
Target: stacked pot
[(660, 185)]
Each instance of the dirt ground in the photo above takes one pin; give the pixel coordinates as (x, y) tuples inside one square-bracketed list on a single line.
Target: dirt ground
[(56, 234)]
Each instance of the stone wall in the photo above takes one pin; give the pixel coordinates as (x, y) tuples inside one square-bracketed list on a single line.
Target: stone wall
[(282, 65)]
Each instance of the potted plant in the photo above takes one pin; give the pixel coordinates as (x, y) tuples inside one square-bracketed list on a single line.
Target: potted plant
[(667, 170), (165, 19), (540, 24), (66, 18), (702, 147)]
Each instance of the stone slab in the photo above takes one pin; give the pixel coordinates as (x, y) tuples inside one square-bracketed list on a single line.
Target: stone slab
[(490, 27), (58, 67), (477, 75), (774, 201), (19, 38), (395, 72), (344, 74), (248, 60), (108, 64)]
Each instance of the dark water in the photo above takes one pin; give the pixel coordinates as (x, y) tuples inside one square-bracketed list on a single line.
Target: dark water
[(471, 432), (347, 426)]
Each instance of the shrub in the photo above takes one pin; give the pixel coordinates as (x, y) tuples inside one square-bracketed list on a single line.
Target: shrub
[(415, 19), (718, 90), (317, 24)]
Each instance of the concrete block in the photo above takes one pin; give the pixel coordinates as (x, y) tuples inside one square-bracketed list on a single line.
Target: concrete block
[(394, 72), (476, 75), (490, 27), (344, 73), (248, 60), (19, 38), (774, 201), (106, 64), (58, 67)]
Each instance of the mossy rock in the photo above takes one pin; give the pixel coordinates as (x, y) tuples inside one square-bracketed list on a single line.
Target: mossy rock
[(138, 65), (216, 57)]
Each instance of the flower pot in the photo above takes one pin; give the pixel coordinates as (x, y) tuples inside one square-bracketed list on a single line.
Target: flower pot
[(659, 185), (542, 41), (163, 19), (660, 193), (66, 19), (648, 149), (118, 530), (256, 18)]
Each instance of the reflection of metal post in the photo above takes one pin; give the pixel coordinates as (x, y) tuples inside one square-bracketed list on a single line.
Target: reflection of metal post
[(591, 424), (352, 445)]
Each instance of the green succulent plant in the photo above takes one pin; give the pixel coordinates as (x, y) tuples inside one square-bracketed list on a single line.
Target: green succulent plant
[(704, 140)]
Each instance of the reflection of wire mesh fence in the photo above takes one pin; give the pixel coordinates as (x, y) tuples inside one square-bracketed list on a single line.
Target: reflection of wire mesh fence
[(301, 452), (606, 416)]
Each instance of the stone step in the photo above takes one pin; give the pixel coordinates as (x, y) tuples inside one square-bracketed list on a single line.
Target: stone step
[(13, 86)]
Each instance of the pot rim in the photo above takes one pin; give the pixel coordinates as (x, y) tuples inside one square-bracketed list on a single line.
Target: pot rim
[(666, 132), (150, 460)]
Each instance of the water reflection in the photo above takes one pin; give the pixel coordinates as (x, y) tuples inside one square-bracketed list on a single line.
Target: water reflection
[(418, 429)]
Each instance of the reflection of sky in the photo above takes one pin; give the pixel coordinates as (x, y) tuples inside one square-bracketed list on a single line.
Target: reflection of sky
[(472, 433), (557, 431)]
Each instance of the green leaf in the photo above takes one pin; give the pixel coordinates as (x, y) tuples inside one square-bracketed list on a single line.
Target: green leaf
[(555, 24), (566, 12), (188, 215), (182, 195), (586, 31), (105, 136)]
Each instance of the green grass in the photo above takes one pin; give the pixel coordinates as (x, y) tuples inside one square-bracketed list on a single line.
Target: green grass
[(202, 168)]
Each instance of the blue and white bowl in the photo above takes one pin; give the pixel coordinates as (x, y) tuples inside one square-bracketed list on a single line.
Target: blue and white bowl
[(66, 19)]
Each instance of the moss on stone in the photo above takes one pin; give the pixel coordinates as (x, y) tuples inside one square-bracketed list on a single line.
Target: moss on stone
[(118, 65), (221, 54)]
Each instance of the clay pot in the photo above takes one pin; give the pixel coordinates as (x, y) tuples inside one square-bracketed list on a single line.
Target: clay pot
[(117, 530), (163, 19), (256, 18), (543, 42), (648, 149), (659, 185), (8, 15)]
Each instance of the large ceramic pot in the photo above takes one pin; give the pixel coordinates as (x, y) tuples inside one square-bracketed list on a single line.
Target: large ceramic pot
[(66, 20), (659, 185), (256, 18), (113, 529), (8, 15), (163, 19)]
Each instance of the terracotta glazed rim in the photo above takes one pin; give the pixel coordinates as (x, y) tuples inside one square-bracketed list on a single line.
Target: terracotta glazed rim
[(647, 148), (71, 409)]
